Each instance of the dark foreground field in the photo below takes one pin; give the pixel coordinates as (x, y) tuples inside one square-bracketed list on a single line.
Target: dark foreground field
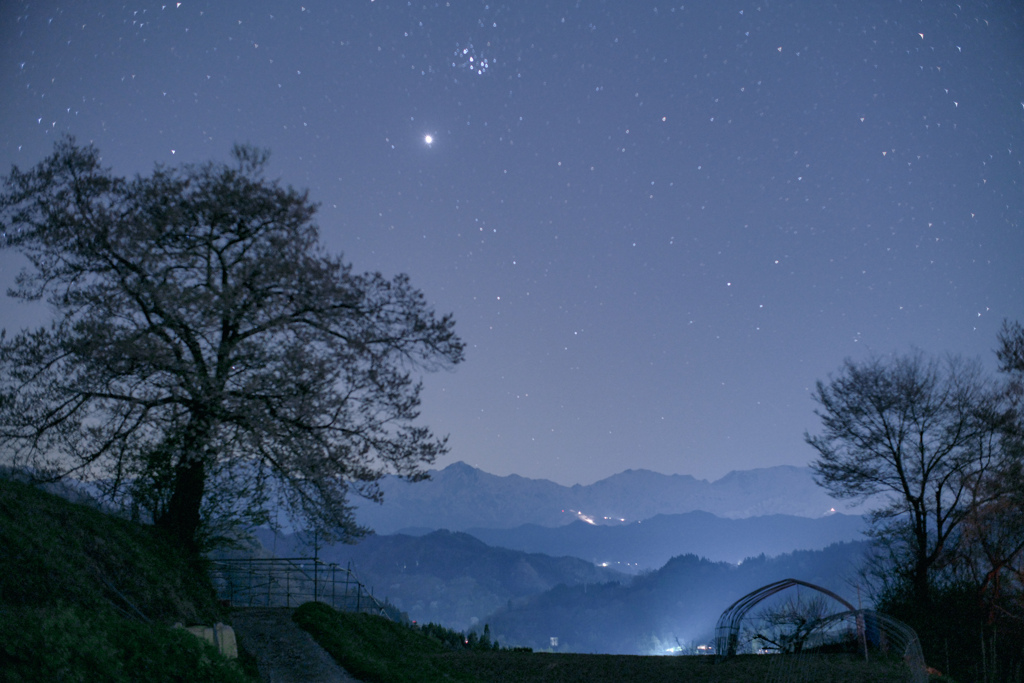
[(514, 667), (376, 650)]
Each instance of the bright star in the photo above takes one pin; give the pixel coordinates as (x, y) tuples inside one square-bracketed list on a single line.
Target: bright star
[(429, 139)]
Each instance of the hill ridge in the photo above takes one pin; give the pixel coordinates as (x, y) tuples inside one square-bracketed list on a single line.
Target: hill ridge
[(461, 497)]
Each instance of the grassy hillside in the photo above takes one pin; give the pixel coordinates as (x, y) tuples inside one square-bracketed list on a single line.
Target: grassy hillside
[(375, 649), (87, 596)]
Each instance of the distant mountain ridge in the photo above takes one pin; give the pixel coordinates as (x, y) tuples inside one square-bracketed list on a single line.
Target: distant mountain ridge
[(462, 497), (650, 543)]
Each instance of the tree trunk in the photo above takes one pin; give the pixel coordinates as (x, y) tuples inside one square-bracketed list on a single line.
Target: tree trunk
[(182, 518), (922, 564), (922, 594)]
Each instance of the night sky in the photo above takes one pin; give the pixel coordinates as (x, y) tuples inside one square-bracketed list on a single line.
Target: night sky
[(657, 225)]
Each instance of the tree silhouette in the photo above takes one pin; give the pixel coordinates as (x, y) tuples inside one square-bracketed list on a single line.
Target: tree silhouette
[(206, 357), (786, 626), (920, 433)]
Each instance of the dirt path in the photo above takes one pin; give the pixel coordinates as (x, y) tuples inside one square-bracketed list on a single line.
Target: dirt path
[(284, 652)]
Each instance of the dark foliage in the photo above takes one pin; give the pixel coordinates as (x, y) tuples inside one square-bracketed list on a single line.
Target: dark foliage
[(85, 596), (916, 433), (55, 552), (374, 649), (957, 636), (457, 641), (74, 644), (947, 446)]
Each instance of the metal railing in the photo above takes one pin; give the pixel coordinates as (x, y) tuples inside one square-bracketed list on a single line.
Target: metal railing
[(289, 582)]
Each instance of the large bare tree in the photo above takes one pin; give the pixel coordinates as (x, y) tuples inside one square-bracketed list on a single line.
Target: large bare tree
[(206, 355), (918, 434)]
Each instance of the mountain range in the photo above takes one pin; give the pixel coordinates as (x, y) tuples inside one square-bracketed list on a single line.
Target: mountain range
[(650, 543), (447, 578), (461, 497), (677, 605), (457, 580), (626, 564)]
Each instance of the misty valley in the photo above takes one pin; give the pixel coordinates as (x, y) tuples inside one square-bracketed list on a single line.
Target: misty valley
[(594, 578)]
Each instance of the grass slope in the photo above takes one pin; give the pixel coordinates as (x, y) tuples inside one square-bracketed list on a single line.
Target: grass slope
[(375, 649), (86, 596)]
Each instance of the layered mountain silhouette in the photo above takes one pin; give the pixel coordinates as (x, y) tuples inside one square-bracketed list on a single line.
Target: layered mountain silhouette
[(590, 563), (675, 606), (459, 581), (650, 543), (448, 578), (461, 497)]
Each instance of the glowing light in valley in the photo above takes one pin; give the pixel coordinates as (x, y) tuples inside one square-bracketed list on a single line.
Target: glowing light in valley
[(586, 518)]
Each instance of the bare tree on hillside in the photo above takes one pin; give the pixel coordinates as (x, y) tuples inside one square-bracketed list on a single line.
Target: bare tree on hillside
[(205, 352), (920, 432)]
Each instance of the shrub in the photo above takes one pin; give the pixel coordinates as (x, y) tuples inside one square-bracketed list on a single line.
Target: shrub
[(69, 643)]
